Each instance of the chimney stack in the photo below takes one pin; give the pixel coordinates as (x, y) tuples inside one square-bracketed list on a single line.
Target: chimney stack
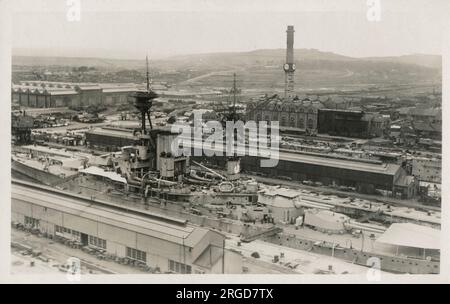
[(290, 45), (289, 66)]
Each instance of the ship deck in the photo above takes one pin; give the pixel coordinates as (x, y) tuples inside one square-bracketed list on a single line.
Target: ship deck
[(54, 169)]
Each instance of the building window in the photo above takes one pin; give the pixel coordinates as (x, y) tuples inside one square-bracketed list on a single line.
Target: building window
[(179, 267), (136, 254), (97, 242), (61, 230), (292, 122), (32, 222)]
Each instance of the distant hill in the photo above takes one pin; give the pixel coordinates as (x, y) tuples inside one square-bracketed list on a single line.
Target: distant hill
[(263, 68), (267, 56), (264, 56), (75, 61), (431, 61), (315, 69)]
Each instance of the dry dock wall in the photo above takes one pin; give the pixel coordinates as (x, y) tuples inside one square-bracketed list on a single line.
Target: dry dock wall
[(387, 263)]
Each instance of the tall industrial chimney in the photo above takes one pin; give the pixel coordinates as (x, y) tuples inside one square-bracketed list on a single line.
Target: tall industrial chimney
[(289, 66)]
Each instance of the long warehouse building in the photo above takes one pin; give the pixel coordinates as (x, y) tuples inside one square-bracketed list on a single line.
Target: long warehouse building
[(366, 177), (170, 244)]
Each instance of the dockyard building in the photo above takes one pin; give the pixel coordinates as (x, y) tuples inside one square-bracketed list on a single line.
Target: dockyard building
[(291, 113), (45, 94), (164, 243)]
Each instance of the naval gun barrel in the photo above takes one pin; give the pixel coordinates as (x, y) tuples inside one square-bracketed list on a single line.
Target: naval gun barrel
[(208, 169)]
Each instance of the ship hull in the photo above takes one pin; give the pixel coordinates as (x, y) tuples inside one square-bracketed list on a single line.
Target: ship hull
[(41, 176)]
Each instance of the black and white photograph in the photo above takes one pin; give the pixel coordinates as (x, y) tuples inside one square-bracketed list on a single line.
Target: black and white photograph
[(174, 140)]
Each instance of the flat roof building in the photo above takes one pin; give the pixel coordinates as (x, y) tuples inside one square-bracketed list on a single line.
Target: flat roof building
[(161, 242)]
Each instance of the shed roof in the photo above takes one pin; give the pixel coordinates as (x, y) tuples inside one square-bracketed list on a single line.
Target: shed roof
[(411, 235), (93, 170), (209, 257)]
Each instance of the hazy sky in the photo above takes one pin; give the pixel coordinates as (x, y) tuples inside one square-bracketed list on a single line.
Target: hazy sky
[(130, 29)]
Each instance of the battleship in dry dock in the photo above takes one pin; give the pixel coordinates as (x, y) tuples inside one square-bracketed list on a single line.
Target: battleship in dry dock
[(147, 170), (147, 175)]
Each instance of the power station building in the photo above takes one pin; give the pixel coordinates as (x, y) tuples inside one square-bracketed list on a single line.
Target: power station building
[(291, 112), (161, 242)]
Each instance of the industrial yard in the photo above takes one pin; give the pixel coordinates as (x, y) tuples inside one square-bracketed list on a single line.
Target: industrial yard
[(125, 165)]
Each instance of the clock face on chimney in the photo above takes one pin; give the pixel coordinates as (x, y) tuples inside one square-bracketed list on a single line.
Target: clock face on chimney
[(286, 67), (293, 66)]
